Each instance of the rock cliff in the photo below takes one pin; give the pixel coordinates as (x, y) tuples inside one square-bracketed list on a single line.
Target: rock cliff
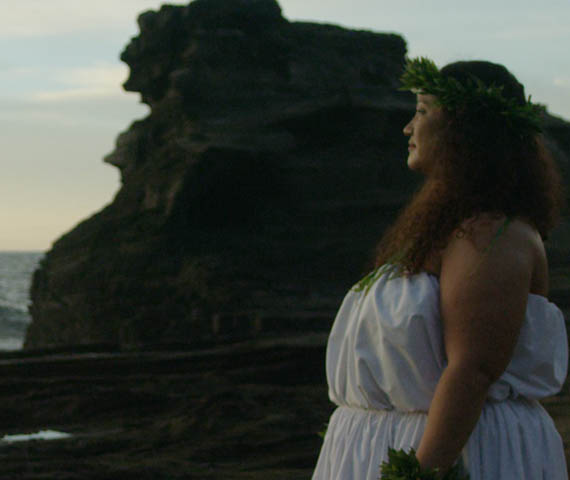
[(253, 193)]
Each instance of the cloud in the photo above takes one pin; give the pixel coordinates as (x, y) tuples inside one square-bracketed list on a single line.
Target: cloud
[(42, 84), (75, 94), (101, 80), (534, 32), (563, 82), (40, 17), (69, 96), (98, 74)]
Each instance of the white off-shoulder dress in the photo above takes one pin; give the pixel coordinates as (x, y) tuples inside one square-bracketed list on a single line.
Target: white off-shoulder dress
[(385, 355)]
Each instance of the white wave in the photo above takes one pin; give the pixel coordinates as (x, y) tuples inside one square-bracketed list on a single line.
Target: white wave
[(41, 435)]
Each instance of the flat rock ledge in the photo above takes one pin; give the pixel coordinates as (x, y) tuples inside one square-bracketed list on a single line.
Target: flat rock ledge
[(249, 410)]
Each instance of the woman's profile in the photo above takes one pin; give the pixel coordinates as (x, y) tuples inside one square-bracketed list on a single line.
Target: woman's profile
[(438, 358)]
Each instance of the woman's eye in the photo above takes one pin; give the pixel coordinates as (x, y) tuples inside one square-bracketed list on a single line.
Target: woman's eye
[(420, 110)]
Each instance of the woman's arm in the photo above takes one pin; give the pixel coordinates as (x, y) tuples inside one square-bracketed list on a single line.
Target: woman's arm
[(483, 303)]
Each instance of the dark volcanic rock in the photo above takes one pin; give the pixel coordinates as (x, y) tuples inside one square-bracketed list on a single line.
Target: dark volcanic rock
[(240, 412), (253, 193)]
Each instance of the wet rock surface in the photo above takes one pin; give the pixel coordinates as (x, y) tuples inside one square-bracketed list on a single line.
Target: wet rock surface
[(243, 411), (237, 411)]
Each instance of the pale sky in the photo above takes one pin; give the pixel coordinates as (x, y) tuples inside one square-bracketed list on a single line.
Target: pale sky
[(62, 105)]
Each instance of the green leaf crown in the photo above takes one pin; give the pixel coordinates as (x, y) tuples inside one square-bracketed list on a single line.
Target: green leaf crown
[(421, 75)]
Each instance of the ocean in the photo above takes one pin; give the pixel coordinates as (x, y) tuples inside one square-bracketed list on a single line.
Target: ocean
[(16, 269)]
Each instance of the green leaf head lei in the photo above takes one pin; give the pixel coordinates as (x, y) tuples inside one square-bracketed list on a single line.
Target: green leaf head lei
[(471, 94), (421, 75)]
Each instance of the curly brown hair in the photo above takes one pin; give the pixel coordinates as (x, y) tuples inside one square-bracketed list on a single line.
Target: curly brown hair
[(480, 166)]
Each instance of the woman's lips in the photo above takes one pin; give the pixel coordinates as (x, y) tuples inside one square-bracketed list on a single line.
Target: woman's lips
[(411, 147)]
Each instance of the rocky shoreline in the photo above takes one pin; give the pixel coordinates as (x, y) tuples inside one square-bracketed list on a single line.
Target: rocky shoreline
[(249, 410), (240, 411)]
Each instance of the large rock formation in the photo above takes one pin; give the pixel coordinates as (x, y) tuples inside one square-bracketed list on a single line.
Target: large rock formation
[(253, 193)]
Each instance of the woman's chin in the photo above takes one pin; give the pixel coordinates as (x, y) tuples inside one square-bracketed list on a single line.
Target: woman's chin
[(413, 163), (415, 167)]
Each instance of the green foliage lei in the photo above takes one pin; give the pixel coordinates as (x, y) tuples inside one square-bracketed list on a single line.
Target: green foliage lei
[(405, 466), (365, 284), (393, 267), (422, 76)]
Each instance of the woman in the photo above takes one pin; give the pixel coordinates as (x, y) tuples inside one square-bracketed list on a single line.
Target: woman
[(448, 345)]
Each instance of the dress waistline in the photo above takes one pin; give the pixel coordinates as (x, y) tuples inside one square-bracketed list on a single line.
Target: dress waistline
[(381, 411)]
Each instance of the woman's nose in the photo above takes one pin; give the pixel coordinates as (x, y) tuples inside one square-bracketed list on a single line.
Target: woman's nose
[(408, 129)]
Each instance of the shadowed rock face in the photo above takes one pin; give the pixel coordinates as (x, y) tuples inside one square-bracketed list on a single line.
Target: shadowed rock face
[(253, 193)]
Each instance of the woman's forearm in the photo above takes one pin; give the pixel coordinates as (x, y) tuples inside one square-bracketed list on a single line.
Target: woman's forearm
[(453, 413)]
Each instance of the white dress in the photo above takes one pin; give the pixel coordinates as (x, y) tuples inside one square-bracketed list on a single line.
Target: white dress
[(385, 355)]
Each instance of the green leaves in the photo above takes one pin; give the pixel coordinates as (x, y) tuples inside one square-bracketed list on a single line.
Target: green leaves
[(366, 283), (323, 432), (405, 466), (393, 267), (422, 76)]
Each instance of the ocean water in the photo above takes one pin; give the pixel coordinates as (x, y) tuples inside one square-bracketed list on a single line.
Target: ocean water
[(16, 269)]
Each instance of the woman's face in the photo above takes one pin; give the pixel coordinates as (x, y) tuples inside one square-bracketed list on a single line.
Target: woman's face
[(423, 132)]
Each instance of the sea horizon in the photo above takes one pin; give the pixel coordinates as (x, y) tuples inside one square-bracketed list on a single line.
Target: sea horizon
[(16, 271)]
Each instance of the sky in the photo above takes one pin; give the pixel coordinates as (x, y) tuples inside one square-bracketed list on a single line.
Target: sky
[(62, 104)]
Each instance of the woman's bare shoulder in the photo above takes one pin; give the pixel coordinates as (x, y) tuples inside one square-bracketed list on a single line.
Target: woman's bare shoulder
[(495, 238), (486, 229), (486, 275)]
